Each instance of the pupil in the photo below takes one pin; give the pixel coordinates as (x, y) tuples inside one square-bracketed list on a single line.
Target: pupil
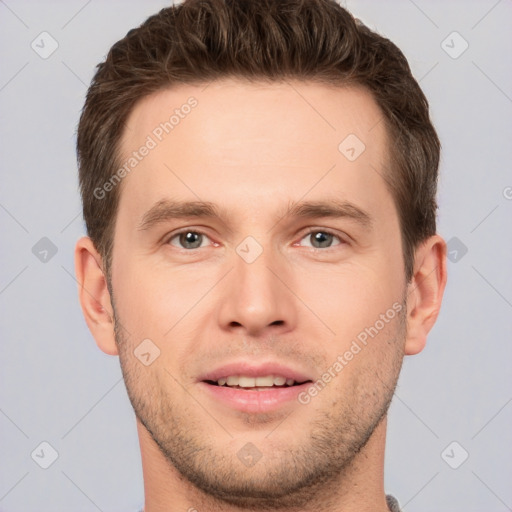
[(190, 240), (322, 239)]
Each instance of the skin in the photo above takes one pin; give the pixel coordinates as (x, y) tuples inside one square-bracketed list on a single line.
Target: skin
[(254, 150)]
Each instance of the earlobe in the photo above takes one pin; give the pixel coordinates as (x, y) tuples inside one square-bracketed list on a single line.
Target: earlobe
[(425, 292), (94, 295)]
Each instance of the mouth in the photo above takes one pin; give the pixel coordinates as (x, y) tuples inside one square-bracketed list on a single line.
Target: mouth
[(255, 383), (254, 389)]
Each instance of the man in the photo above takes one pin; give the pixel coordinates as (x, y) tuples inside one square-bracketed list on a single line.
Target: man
[(258, 183)]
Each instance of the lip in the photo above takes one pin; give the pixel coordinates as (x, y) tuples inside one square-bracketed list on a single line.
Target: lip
[(251, 400), (254, 370)]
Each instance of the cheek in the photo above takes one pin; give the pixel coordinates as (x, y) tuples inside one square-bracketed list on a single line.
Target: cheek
[(352, 297), (141, 298), (157, 302)]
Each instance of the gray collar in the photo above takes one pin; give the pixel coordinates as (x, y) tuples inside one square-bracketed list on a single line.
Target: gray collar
[(392, 504)]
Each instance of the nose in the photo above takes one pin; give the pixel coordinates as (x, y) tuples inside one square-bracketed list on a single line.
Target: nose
[(257, 298)]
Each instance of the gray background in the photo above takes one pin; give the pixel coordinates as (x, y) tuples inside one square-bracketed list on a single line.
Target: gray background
[(58, 387)]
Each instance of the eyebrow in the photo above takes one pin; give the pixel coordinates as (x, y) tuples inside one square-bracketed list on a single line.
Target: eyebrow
[(330, 208), (166, 210)]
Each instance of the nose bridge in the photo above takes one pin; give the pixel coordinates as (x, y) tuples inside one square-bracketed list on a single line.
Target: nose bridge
[(256, 298)]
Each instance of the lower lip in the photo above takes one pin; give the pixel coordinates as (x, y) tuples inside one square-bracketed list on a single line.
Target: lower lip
[(254, 401)]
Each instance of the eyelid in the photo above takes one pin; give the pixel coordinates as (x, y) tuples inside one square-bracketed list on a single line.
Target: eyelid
[(167, 238), (342, 238)]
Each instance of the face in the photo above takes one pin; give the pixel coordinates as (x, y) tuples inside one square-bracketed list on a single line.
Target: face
[(257, 250)]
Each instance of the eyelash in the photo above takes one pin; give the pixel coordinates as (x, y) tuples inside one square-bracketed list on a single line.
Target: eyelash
[(309, 232), (326, 231)]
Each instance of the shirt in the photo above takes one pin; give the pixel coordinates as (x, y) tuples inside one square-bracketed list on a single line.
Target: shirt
[(392, 504)]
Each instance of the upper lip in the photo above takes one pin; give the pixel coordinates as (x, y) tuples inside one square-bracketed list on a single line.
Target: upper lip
[(252, 369)]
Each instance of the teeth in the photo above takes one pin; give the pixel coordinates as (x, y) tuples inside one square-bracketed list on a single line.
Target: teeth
[(250, 382), (246, 382), (232, 381), (264, 381)]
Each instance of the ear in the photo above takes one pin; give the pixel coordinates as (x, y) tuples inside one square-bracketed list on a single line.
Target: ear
[(425, 292), (94, 295)]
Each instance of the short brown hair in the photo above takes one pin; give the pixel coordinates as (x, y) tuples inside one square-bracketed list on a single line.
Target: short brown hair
[(273, 40)]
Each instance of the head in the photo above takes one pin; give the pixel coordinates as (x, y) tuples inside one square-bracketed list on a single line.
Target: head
[(258, 182)]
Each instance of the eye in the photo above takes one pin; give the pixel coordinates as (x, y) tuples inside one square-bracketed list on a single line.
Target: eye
[(321, 239), (188, 239)]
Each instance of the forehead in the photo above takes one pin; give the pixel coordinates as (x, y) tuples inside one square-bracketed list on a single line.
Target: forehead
[(237, 105), (233, 139)]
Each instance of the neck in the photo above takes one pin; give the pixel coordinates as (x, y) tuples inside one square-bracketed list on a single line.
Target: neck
[(360, 488)]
